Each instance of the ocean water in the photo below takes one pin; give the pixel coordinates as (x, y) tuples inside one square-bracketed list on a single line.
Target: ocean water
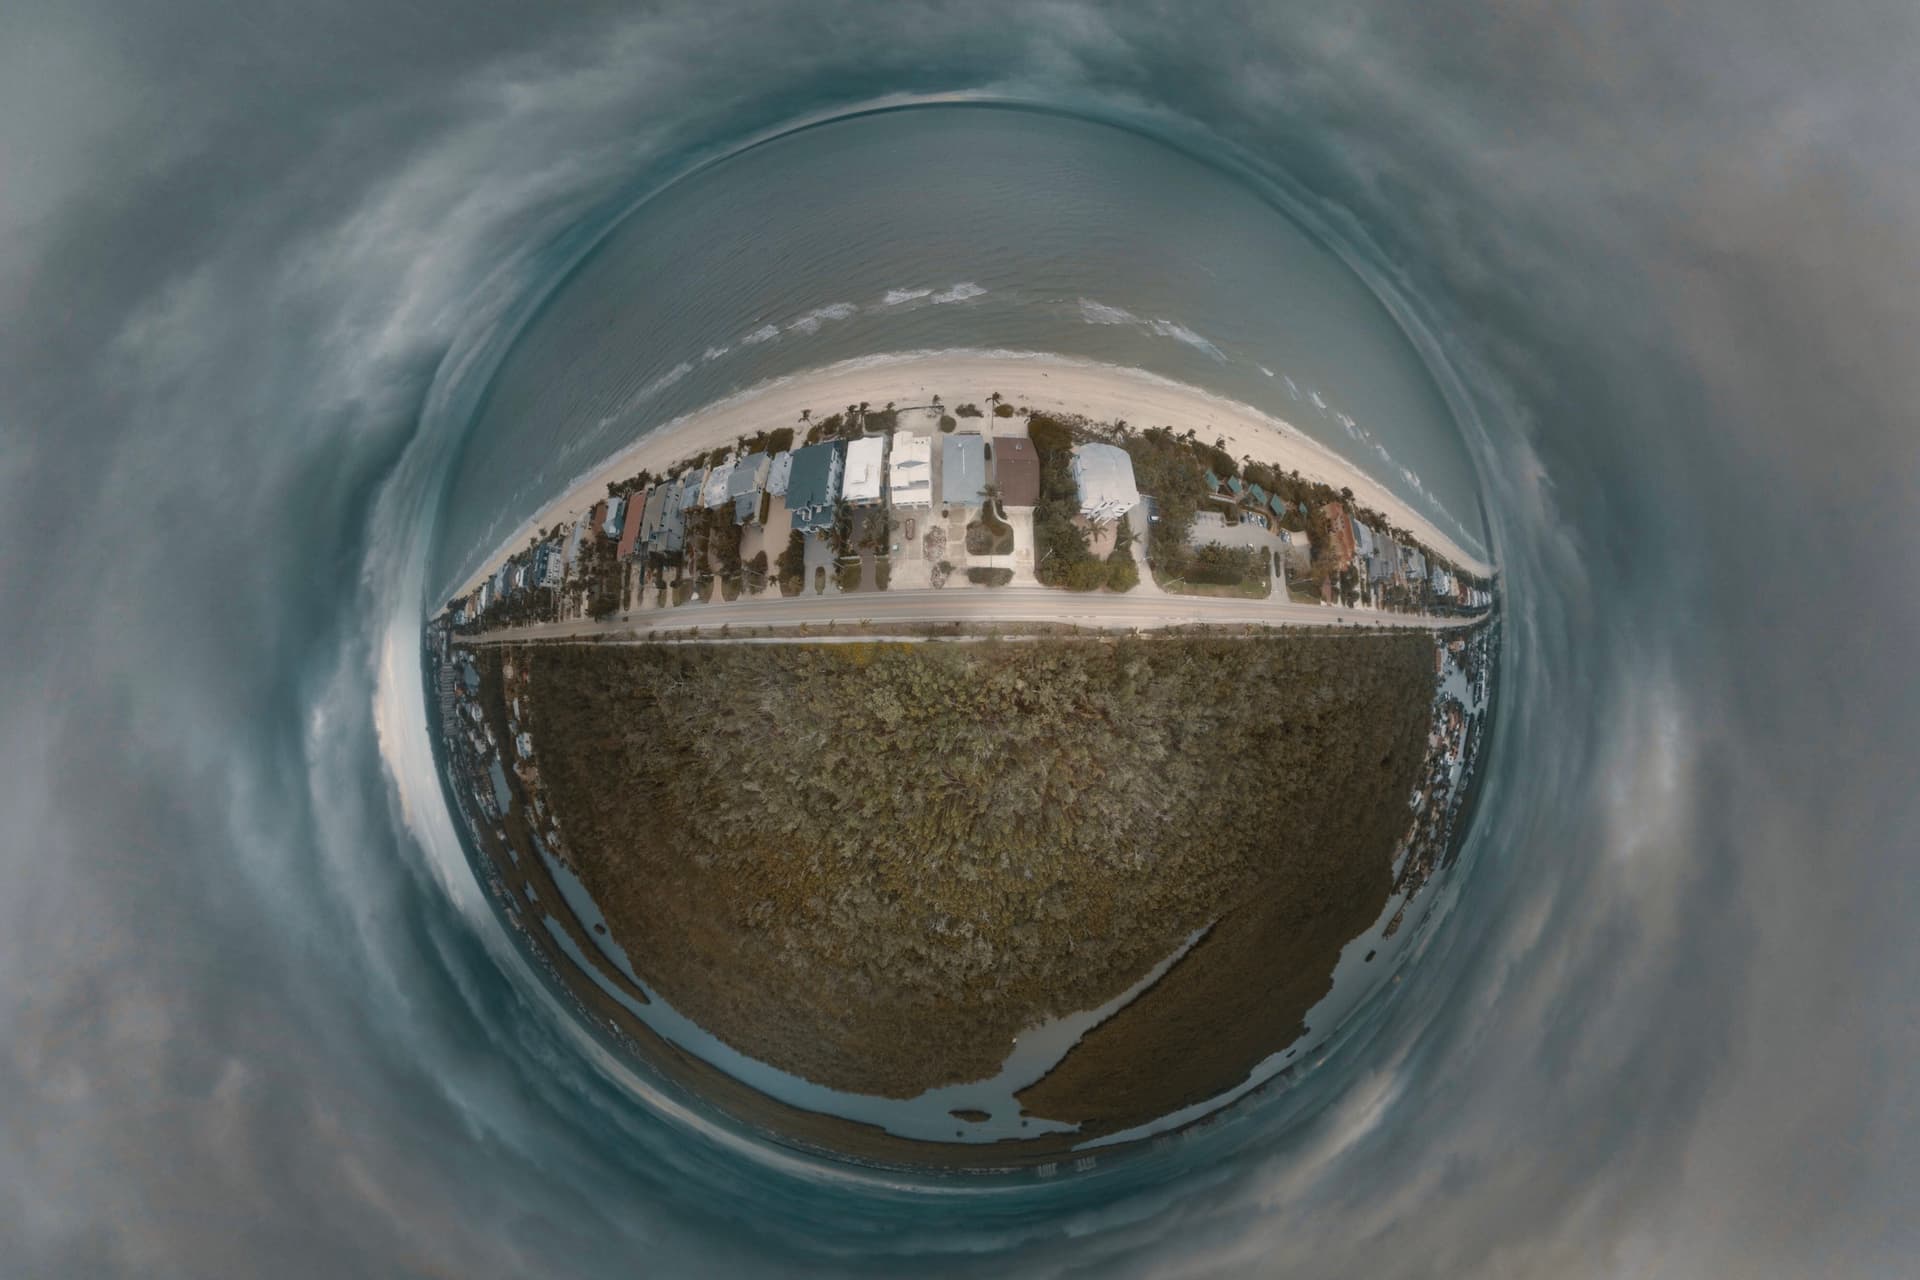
[(937, 227), (262, 276)]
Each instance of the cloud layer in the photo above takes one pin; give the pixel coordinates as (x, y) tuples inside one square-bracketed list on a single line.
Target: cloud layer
[(251, 1020)]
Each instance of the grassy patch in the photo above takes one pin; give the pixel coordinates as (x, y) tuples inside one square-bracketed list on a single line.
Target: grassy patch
[(989, 535)]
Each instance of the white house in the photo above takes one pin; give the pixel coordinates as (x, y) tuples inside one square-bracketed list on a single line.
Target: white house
[(860, 484), (1103, 473), (780, 473), (715, 493), (910, 471)]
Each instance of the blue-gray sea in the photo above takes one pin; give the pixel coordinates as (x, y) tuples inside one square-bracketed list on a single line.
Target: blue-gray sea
[(301, 308)]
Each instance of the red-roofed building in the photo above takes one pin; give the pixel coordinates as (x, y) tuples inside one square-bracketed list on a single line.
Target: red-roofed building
[(1340, 532), (630, 529)]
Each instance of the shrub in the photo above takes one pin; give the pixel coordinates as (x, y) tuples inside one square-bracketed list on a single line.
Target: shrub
[(882, 574), (1049, 435), (1084, 575), (1003, 411), (947, 423), (848, 576), (780, 440), (969, 411), (1122, 573), (989, 536), (991, 577), (793, 561)]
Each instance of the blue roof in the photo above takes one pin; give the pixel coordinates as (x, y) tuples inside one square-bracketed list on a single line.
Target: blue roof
[(963, 469), (814, 484)]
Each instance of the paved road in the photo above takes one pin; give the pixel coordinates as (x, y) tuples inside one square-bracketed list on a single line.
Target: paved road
[(971, 605)]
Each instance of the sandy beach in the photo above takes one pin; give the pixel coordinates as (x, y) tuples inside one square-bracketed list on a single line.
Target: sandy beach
[(1052, 384)]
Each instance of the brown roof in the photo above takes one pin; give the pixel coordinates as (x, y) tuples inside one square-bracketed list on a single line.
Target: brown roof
[(630, 528), (1016, 469)]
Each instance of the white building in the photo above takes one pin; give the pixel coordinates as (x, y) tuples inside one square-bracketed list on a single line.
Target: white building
[(910, 472), (611, 526), (1103, 473), (715, 493), (780, 473), (860, 484)]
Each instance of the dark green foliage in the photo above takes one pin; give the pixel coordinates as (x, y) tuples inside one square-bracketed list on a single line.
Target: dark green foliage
[(1165, 466), (1049, 435), (780, 439), (848, 576), (969, 411), (991, 577), (1063, 555), (1003, 411), (793, 564), (947, 423), (1084, 575), (1122, 573)]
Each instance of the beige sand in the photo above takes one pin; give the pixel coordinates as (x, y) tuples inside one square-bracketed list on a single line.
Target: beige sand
[(1053, 384)]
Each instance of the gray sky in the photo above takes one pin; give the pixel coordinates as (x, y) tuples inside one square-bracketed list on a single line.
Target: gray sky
[(250, 1021)]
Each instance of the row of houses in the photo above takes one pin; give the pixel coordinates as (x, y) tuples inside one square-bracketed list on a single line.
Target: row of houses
[(1384, 560), (1234, 490), (813, 480)]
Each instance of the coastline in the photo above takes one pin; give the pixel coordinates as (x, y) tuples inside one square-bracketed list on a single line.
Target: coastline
[(1051, 383)]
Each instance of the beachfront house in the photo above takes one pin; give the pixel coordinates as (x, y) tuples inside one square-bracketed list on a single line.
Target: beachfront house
[(1384, 563), (713, 493), (865, 475), (651, 514), (1365, 542), (813, 487), (1016, 471), (636, 515), (745, 485), (1340, 534), (1103, 475), (547, 565), (963, 469), (910, 471), (574, 539), (611, 525), (780, 473)]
